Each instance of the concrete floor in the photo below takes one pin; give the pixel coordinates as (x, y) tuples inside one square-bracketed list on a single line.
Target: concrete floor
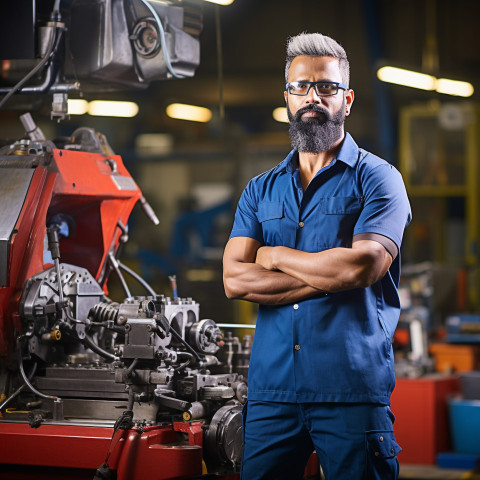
[(419, 472)]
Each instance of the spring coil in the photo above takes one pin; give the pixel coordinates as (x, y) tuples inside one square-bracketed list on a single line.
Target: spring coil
[(104, 312)]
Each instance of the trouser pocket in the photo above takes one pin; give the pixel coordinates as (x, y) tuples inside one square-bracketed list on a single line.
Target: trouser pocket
[(381, 455)]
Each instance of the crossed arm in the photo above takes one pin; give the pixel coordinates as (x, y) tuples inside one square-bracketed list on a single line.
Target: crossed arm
[(280, 275)]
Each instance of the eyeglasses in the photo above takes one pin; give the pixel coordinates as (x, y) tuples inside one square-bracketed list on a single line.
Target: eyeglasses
[(322, 88)]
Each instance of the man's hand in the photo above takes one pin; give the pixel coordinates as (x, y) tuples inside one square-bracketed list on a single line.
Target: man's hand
[(246, 278), (265, 257)]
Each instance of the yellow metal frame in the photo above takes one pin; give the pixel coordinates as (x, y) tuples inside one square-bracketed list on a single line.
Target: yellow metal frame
[(470, 191)]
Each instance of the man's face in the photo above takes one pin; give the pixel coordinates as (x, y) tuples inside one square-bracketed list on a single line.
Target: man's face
[(316, 123)]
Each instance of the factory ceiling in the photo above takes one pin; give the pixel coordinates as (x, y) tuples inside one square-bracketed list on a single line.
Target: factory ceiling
[(434, 36)]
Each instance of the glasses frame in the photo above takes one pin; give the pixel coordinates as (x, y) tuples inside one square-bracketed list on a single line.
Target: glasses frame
[(314, 84)]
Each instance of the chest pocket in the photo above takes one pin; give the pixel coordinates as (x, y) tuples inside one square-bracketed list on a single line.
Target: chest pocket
[(337, 217), (271, 216), (340, 205)]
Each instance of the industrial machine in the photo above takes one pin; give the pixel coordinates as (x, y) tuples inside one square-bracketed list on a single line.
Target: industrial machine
[(92, 387)]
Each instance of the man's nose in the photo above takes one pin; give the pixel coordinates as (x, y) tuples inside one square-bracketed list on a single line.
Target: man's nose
[(312, 96)]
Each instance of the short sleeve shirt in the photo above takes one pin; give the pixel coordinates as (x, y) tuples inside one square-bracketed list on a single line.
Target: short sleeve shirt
[(334, 347)]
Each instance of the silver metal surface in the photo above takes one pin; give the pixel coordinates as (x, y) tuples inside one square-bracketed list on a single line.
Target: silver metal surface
[(14, 184), (223, 440), (124, 183), (235, 325)]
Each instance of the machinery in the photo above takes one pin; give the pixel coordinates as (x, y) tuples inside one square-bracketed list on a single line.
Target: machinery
[(91, 387), (74, 359)]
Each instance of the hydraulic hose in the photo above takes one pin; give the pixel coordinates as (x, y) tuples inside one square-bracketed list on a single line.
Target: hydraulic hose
[(163, 42), (24, 376), (19, 389), (177, 336), (115, 265), (87, 341), (137, 277)]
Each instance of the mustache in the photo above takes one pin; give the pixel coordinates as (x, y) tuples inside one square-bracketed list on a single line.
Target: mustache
[(324, 114)]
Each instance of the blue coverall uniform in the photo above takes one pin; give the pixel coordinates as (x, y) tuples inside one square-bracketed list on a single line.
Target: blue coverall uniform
[(322, 369)]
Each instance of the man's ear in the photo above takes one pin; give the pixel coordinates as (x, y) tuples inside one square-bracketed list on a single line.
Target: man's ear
[(349, 97)]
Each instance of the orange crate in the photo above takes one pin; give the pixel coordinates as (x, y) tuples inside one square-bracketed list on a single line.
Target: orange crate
[(421, 417), (455, 358)]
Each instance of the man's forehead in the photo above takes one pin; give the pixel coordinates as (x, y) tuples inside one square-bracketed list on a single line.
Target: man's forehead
[(312, 64)]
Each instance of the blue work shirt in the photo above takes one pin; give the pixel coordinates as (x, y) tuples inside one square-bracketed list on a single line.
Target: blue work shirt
[(334, 347)]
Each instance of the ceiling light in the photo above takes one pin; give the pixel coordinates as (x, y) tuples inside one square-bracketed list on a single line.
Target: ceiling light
[(77, 106), (408, 78), (152, 144), (221, 2), (280, 114), (454, 87), (108, 108), (192, 113)]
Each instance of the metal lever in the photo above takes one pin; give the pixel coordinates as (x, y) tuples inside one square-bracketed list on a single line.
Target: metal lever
[(147, 208)]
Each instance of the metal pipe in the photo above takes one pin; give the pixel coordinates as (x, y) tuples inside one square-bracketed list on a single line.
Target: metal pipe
[(235, 325), (38, 67)]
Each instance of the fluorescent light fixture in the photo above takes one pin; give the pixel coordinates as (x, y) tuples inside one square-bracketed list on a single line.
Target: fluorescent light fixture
[(77, 106), (108, 108), (280, 114), (454, 87), (221, 2), (409, 78), (192, 113), (152, 144)]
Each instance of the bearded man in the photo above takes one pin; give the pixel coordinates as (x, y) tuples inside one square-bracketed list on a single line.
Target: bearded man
[(316, 243)]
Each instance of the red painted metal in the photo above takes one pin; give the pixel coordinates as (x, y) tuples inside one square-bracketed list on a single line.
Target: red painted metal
[(159, 453), (78, 184), (86, 190)]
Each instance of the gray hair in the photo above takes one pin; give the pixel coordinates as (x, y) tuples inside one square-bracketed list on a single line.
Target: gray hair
[(317, 45)]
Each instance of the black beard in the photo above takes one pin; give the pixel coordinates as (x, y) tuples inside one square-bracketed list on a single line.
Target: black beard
[(315, 134)]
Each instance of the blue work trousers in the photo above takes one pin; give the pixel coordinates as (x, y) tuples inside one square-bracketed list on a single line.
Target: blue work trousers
[(352, 441)]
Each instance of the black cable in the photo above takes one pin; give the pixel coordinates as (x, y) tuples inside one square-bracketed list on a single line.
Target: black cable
[(218, 30), (25, 379), (87, 341), (138, 278), (177, 336), (131, 367), (50, 49), (19, 389), (115, 265)]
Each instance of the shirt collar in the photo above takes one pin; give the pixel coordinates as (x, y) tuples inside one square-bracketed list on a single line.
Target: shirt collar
[(348, 154)]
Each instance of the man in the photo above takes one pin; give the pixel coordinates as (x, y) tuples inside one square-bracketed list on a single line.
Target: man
[(316, 242)]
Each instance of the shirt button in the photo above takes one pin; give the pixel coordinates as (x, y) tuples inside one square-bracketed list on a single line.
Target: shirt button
[(381, 438), (301, 224), (295, 307), (297, 347)]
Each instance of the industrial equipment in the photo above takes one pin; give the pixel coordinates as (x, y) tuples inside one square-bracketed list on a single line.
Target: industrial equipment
[(77, 359), (92, 387)]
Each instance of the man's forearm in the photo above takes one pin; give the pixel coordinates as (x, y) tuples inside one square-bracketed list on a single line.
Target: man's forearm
[(252, 282), (332, 270)]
